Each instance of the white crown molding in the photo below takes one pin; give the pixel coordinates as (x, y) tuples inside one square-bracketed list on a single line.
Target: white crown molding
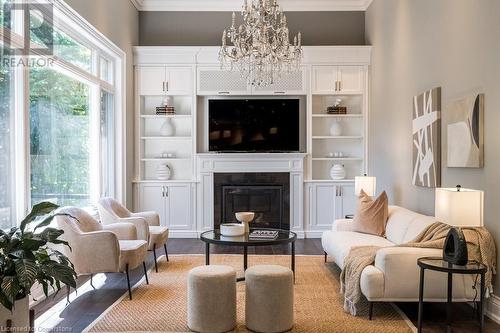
[(235, 5)]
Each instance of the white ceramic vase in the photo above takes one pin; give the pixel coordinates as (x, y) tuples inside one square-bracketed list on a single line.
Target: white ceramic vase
[(163, 172), (167, 101), (168, 128), (19, 317), (245, 218), (336, 128), (337, 172)]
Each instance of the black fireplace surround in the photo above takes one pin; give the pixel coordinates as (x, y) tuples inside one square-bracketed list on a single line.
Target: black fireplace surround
[(266, 194)]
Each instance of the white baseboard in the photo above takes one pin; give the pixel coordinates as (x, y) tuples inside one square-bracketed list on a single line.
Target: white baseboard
[(183, 234), (493, 308), (312, 234)]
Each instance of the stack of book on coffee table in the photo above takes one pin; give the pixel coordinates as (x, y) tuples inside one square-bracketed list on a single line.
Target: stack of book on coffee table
[(263, 234)]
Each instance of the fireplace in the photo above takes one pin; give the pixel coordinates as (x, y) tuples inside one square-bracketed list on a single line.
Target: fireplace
[(266, 194)]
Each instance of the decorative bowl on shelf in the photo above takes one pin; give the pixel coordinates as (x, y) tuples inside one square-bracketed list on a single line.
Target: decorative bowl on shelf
[(232, 229), (245, 218)]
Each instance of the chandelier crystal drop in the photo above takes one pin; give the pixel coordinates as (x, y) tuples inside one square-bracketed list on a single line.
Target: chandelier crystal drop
[(260, 47)]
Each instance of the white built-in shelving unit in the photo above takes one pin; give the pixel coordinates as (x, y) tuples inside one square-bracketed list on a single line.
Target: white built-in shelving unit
[(154, 84), (190, 76), (352, 142)]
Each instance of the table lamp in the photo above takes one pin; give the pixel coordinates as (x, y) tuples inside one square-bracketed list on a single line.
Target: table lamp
[(365, 183), (460, 208)]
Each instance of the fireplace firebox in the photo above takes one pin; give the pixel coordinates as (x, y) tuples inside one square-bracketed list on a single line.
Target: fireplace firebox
[(265, 194)]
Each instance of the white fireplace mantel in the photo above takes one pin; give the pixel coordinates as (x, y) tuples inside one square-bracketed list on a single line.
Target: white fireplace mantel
[(210, 163)]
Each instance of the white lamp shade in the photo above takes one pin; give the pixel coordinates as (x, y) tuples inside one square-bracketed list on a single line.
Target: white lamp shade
[(365, 183), (462, 208)]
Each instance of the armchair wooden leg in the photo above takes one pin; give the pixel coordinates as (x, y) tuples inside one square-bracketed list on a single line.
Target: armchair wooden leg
[(166, 253), (91, 281), (154, 255), (370, 311), (128, 283), (326, 256), (145, 271)]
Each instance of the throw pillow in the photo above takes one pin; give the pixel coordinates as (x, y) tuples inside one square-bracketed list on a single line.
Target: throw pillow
[(371, 215)]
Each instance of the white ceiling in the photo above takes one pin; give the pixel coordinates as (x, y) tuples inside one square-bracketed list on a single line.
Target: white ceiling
[(235, 5)]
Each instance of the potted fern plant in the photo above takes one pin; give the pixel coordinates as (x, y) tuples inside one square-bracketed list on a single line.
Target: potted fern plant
[(27, 257)]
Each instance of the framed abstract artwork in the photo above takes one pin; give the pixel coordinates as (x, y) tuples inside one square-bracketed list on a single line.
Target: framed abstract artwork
[(426, 145), (465, 132)]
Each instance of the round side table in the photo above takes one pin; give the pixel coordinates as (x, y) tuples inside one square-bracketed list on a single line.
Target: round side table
[(439, 265)]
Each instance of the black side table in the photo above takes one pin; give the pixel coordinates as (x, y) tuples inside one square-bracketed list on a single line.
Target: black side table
[(439, 265)]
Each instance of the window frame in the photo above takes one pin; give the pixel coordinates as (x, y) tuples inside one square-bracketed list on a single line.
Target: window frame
[(72, 24)]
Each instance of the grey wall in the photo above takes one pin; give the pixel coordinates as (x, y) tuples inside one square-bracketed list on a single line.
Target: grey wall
[(118, 20), (418, 45), (205, 28)]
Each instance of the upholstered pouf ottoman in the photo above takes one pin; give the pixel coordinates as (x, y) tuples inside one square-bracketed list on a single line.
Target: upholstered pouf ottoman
[(212, 299), (269, 298)]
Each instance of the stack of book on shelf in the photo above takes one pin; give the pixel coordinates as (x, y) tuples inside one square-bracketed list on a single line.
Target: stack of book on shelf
[(165, 110), (263, 234), (336, 110)]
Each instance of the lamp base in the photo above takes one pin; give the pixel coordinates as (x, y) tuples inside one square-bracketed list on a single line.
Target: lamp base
[(455, 247)]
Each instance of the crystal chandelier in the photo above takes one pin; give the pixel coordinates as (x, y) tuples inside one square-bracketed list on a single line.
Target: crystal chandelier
[(260, 47)]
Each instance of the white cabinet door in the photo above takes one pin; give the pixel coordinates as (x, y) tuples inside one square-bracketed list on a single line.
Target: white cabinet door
[(351, 79), (322, 205), (293, 83), (179, 208), (179, 81), (349, 201), (152, 198), (215, 81), (324, 79), (151, 80)]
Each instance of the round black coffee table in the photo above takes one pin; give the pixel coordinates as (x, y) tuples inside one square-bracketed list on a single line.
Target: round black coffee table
[(439, 265), (215, 237)]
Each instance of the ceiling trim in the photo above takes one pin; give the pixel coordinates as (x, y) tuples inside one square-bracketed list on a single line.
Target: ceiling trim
[(235, 5), (137, 3)]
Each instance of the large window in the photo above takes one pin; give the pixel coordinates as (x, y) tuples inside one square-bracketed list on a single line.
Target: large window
[(107, 142), (6, 160), (59, 139), (67, 144)]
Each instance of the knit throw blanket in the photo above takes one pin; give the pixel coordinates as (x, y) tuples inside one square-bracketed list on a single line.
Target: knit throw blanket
[(480, 247)]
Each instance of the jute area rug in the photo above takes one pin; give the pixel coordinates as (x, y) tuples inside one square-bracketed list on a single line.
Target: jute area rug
[(161, 305)]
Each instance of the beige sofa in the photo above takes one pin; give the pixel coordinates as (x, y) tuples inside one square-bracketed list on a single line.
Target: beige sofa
[(394, 277)]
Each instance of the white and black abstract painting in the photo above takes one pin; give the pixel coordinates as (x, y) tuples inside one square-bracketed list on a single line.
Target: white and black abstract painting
[(465, 119), (427, 138)]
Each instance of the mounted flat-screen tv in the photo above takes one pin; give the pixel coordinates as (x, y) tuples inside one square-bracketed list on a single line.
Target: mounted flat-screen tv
[(253, 125)]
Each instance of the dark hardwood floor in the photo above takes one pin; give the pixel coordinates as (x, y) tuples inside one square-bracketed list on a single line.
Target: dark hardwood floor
[(89, 303)]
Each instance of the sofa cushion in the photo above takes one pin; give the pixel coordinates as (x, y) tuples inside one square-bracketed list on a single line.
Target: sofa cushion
[(338, 244), (371, 215), (404, 225)]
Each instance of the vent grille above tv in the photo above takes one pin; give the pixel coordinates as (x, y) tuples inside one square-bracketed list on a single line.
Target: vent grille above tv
[(287, 82), (221, 81)]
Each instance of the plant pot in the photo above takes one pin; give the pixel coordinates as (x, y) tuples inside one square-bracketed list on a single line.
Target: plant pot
[(19, 317)]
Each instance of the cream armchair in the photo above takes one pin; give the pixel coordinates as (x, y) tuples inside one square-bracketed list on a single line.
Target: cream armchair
[(97, 248), (147, 224)]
